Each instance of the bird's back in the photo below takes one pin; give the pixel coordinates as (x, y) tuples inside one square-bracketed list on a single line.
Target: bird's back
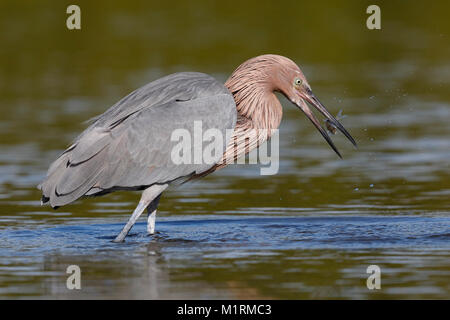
[(129, 146)]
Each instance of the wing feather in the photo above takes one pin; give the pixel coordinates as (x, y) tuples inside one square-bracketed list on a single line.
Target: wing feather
[(130, 145)]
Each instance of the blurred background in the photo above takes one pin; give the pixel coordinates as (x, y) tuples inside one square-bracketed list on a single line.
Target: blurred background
[(309, 232)]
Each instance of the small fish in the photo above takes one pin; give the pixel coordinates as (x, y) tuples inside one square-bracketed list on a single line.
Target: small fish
[(330, 126)]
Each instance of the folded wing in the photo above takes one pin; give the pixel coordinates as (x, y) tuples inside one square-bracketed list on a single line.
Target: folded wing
[(130, 146)]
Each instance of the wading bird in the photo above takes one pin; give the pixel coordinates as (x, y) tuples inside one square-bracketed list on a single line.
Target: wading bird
[(129, 146)]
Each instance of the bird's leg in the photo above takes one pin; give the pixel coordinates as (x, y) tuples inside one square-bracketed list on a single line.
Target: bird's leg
[(147, 197), (151, 215)]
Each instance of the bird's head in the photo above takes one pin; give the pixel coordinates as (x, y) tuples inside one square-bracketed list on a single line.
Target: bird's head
[(288, 79), (253, 83)]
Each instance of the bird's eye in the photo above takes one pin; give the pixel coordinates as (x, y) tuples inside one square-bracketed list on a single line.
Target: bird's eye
[(298, 81)]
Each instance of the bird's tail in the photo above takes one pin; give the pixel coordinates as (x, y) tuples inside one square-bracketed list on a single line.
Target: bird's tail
[(76, 171)]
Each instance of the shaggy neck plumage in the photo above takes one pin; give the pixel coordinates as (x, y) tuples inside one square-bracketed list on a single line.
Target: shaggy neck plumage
[(253, 91)]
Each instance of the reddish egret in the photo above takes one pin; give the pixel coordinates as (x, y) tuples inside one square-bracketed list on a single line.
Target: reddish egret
[(129, 146)]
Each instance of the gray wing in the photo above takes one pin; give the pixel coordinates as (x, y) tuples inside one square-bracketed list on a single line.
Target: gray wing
[(130, 146)]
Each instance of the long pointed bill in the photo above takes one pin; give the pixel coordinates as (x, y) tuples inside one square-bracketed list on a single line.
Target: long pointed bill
[(304, 107), (311, 98)]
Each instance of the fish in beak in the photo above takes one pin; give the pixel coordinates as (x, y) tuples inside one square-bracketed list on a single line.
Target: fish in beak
[(330, 127), (313, 101)]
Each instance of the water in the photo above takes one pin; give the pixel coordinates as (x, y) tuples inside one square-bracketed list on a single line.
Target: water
[(308, 232)]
